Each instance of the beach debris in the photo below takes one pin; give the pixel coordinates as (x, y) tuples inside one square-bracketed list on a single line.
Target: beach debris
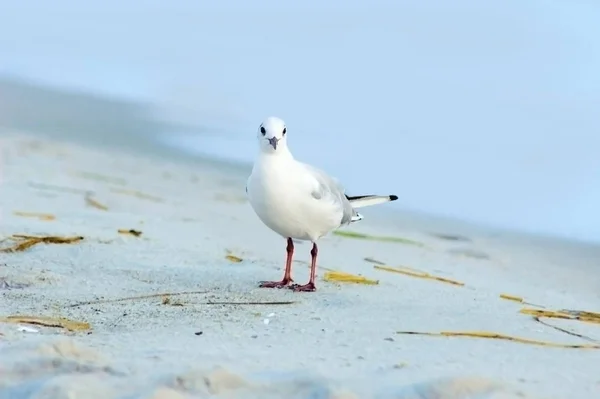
[(408, 271), (361, 236), (450, 237), (132, 232), (511, 298), (166, 300), (138, 297), (171, 294), (27, 329), (52, 187), (343, 277), (373, 260), (233, 258), (564, 330), (518, 299), (5, 285), (580, 315), (60, 322), (493, 335), (102, 178), (137, 194), (25, 241), (249, 303), (90, 201), (41, 216)]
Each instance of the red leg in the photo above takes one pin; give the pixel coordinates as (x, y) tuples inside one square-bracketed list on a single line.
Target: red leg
[(287, 277), (310, 287)]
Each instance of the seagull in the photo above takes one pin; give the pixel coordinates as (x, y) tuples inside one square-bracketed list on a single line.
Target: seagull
[(297, 200)]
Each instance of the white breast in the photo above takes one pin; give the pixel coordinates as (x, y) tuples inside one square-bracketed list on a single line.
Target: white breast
[(279, 191)]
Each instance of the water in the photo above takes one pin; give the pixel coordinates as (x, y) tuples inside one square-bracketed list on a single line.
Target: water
[(486, 111)]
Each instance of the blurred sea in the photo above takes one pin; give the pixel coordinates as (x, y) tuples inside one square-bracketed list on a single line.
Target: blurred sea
[(484, 111)]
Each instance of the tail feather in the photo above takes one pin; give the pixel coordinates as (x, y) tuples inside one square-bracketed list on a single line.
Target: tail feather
[(368, 200), (357, 217)]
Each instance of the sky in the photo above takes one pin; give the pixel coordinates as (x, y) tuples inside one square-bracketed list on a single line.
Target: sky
[(485, 111)]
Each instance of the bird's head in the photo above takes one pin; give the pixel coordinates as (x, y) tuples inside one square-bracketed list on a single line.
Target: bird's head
[(271, 135)]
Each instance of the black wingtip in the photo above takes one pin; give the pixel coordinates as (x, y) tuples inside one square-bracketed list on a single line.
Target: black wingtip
[(393, 197)]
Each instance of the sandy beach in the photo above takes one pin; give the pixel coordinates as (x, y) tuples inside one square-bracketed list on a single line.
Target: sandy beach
[(130, 274)]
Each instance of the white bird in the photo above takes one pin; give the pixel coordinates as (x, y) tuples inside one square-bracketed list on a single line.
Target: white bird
[(297, 200)]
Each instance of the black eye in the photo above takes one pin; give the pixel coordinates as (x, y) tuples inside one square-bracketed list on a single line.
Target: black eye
[(262, 130), (284, 131)]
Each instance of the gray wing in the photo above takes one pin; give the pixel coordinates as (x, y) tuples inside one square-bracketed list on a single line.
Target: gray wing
[(330, 189)]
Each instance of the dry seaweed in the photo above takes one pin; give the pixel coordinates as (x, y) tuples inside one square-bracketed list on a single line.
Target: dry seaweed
[(233, 258), (343, 277), (166, 300), (450, 237), (132, 232), (492, 335), (249, 303), (518, 299), (511, 298), (133, 298), (564, 330), (93, 203), (361, 236), (580, 315), (52, 187), (417, 273), (137, 194), (102, 178), (45, 321), (410, 272), (26, 242), (373, 260), (41, 216)]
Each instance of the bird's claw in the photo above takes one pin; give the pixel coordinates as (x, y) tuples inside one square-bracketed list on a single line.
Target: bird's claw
[(275, 284), (310, 287)]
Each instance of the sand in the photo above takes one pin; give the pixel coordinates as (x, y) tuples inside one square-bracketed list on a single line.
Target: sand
[(215, 334)]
